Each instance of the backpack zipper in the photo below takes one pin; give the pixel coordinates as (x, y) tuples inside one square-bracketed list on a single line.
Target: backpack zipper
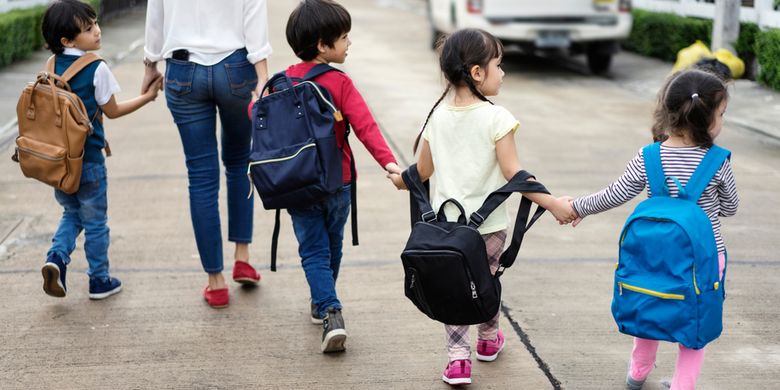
[(657, 294), (84, 118), (271, 160), (40, 155)]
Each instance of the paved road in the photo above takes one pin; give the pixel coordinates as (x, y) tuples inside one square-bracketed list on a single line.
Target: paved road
[(577, 133)]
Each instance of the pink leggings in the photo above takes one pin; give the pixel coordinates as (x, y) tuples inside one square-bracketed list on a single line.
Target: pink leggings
[(689, 361)]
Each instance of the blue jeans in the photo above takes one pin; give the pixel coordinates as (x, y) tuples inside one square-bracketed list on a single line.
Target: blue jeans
[(85, 210), (195, 95), (319, 229)]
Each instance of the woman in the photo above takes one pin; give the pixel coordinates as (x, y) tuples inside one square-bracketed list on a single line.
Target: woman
[(215, 54)]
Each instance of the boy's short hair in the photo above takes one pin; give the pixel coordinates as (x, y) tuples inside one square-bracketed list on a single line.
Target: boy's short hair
[(65, 19), (314, 21)]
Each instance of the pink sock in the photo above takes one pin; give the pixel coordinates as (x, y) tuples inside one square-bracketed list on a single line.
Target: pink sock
[(643, 358), (687, 369)]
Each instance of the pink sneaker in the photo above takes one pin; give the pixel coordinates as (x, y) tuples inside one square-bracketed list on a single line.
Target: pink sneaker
[(487, 350), (458, 372)]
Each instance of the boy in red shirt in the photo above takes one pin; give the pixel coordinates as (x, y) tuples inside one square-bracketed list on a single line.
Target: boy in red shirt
[(317, 31)]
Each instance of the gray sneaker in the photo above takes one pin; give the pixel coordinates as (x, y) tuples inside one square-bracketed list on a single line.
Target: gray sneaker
[(315, 316), (334, 336), (633, 384)]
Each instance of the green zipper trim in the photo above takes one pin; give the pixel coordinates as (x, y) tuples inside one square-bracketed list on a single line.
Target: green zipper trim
[(273, 160), (695, 287), (645, 291)]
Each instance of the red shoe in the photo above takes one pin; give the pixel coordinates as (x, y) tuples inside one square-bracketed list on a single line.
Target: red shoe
[(218, 298), (244, 273)]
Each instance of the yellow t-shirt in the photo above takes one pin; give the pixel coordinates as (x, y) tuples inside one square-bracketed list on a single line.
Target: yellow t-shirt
[(463, 146)]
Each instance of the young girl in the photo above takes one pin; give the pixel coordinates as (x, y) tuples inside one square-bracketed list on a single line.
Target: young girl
[(690, 110), (470, 144)]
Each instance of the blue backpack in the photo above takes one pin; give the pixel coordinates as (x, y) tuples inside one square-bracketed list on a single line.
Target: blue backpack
[(295, 160), (666, 281)]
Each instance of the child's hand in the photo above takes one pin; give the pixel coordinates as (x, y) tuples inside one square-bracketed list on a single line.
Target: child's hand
[(154, 89), (397, 180), (393, 168), (563, 211), (576, 220)]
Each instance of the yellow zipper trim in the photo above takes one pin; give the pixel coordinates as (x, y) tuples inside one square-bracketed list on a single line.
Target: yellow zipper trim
[(695, 287), (650, 292)]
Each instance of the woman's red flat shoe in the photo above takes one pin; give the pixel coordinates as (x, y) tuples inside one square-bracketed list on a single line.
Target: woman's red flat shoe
[(218, 298)]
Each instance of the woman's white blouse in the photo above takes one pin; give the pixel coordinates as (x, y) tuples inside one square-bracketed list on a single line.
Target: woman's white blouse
[(210, 29)]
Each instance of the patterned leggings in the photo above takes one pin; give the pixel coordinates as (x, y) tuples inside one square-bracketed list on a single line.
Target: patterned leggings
[(458, 342)]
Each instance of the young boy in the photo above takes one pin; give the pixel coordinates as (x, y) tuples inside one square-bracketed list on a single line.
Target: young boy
[(70, 29), (317, 32)]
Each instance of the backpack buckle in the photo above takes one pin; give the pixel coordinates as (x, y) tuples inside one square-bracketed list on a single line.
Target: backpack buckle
[(428, 216), (475, 219), (500, 271)]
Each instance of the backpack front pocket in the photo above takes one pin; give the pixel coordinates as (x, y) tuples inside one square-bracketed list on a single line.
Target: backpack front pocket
[(652, 310), (287, 169), (42, 161)]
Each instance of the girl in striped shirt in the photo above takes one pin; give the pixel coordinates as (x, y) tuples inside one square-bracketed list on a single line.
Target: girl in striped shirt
[(690, 107)]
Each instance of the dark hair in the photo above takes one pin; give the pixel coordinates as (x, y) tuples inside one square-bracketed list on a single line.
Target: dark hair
[(688, 102), (458, 53), (313, 21), (65, 19)]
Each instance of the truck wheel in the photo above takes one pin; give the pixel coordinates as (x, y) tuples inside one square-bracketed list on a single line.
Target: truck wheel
[(599, 62)]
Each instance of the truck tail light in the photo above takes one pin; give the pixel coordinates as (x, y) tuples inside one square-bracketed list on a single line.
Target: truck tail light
[(474, 6)]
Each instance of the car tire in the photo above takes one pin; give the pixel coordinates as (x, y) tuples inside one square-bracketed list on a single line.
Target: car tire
[(599, 63)]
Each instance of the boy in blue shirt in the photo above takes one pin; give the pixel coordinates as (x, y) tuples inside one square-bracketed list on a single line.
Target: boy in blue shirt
[(70, 29)]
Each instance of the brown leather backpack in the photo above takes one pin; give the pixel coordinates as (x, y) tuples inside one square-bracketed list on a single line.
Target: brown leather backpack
[(53, 127)]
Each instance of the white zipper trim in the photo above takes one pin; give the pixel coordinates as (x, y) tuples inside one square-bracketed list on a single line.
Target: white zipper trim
[(272, 160)]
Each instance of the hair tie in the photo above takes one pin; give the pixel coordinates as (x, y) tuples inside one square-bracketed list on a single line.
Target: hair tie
[(694, 96)]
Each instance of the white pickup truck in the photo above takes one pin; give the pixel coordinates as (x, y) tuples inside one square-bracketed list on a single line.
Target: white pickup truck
[(593, 27)]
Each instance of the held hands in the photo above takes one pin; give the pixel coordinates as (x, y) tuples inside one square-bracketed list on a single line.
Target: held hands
[(394, 174), (563, 211), (151, 74), (153, 89)]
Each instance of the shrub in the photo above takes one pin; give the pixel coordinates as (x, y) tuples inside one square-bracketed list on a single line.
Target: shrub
[(768, 54), (20, 32), (662, 35)]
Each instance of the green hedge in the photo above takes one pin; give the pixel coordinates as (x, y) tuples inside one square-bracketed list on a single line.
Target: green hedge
[(768, 54), (662, 35), (20, 32)]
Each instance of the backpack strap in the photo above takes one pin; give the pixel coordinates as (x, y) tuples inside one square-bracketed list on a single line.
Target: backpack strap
[(78, 65), (518, 183), (315, 71), (706, 170), (654, 170), (419, 196), (318, 70)]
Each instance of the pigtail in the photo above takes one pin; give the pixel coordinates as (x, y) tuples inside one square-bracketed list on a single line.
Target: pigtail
[(419, 136)]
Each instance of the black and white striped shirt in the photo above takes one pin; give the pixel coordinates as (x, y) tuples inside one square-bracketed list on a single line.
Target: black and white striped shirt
[(719, 198)]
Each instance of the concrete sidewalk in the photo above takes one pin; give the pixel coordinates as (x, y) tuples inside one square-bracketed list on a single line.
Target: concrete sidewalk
[(576, 134), (158, 333)]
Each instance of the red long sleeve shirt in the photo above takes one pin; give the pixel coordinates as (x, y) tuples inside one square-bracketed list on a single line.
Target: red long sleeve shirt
[(354, 109)]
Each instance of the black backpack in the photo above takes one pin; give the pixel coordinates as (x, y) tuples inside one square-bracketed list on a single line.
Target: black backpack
[(447, 275), (295, 159)]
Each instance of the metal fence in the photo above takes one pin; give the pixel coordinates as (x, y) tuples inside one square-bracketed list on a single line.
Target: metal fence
[(762, 12)]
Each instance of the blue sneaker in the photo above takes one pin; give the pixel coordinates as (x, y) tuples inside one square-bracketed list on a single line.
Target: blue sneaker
[(54, 276), (103, 288)]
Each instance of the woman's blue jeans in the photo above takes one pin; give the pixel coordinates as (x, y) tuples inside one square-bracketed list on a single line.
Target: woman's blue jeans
[(319, 229), (85, 210), (196, 94)]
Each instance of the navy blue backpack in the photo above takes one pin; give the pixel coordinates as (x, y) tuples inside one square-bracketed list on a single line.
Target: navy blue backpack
[(666, 281), (295, 159)]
